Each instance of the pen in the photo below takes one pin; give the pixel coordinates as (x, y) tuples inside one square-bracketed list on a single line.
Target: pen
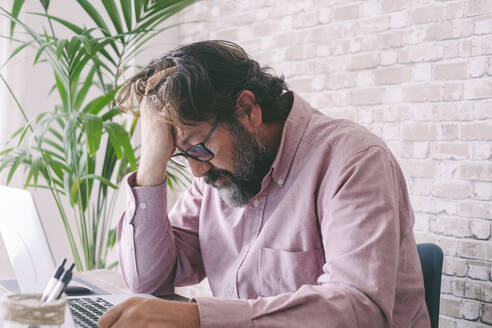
[(53, 281), (61, 284)]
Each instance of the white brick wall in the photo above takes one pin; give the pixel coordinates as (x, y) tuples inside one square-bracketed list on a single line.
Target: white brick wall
[(417, 73)]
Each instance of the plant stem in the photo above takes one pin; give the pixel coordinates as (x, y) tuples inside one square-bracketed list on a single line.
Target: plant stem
[(110, 215), (79, 205), (87, 209), (103, 230), (49, 22), (101, 201)]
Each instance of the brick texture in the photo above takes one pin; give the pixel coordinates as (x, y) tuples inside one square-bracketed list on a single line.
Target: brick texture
[(418, 74)]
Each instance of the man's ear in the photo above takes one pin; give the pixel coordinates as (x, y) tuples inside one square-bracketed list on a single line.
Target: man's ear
[(249, 113)]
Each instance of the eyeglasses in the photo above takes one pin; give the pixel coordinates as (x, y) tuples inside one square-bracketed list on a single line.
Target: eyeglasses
[(199, 151)]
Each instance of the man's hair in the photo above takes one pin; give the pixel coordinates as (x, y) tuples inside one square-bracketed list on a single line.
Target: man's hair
[(201, 82)]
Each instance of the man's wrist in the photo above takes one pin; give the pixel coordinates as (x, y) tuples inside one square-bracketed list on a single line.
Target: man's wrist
[(148, 177), (149, 180), (151, 169)]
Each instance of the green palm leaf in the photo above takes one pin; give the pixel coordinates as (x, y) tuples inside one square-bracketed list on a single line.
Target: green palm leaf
[(23, 134), (16, 8), (28, 179), (6, 151), (35, 168), (13, 168), (113, 14), (100, 178), (119, 138), (113, 140), (93, 129), (63, 92), (96, 105), (67, 24), (137, 4), (82, 92), (126, 8), (97, 19), (79, 30), (45, 4), (50, 55), (17, 50)]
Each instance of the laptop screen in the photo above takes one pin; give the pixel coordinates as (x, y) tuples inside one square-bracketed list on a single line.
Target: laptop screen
[(25, 240)]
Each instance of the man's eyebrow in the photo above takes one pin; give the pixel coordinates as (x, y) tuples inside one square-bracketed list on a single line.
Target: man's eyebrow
[(185, 142)]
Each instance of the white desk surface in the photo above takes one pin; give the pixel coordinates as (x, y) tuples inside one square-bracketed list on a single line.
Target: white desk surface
[(112, 282)]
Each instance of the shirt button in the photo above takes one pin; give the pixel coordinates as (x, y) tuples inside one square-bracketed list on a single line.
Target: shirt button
[(280, 181), (142, 205), (256, 203), (246, 248)]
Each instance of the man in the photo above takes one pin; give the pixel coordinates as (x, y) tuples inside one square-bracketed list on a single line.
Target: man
[(295, 218)]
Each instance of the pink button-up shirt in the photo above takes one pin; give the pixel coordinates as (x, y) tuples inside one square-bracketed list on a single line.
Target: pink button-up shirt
[(327, 242)]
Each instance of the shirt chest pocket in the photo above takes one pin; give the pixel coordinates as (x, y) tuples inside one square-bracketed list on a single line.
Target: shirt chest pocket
[(285, 271)]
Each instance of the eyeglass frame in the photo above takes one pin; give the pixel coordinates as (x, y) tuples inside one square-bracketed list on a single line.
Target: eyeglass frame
[(185, 153)]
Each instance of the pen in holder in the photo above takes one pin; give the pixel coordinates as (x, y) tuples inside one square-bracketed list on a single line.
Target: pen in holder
[(22, 310)]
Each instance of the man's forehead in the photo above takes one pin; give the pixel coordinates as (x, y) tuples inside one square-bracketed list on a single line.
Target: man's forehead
[(184, 133)]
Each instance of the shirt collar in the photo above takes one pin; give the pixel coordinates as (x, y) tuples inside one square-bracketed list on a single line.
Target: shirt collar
[(292, 133)]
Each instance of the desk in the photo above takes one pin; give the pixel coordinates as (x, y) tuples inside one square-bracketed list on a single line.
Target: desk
[(112, 282), (109, 281)]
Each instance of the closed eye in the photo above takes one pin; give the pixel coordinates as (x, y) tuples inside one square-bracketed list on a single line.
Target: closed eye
[(198, 150)]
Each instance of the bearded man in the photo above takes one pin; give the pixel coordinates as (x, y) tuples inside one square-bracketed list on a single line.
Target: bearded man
[(295, 218)]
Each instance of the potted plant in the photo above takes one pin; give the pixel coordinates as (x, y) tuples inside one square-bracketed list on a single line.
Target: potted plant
[(81, 149)]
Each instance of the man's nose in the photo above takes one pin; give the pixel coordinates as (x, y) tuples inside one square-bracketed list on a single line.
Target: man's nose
[(199, 169)]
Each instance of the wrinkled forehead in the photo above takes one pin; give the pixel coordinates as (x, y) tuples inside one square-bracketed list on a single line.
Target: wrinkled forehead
[(187, 134)]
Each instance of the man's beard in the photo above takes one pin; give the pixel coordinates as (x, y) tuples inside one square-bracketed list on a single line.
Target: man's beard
[(251, 162)]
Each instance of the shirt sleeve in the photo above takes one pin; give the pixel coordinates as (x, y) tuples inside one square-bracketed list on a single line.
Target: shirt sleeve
[(359, 222), (156, 254)]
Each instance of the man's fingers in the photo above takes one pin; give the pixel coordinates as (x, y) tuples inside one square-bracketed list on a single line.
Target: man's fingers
[(170, 70), (110, 317)]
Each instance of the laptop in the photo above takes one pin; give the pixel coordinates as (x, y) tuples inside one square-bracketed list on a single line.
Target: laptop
[(32, 259)]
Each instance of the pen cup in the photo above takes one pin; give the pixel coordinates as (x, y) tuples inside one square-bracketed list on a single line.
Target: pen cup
[(26, 310)]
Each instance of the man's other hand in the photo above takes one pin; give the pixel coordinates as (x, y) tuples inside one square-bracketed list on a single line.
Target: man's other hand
[(146, 312)]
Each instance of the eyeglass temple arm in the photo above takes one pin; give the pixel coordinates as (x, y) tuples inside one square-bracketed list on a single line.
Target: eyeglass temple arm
[(214, 126)]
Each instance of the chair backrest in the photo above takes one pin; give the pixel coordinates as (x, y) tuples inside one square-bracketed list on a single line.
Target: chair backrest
[(431, 261)]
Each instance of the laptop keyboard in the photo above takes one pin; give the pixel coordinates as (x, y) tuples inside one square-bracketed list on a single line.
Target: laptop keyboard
[(86, 311)]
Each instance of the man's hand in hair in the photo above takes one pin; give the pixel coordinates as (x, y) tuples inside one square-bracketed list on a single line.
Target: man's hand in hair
[(157, 147)]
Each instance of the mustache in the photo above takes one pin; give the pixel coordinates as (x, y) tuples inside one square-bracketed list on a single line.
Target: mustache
[(215, 174)]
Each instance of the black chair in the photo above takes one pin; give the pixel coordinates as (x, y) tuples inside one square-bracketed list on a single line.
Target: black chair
[(431, 261)]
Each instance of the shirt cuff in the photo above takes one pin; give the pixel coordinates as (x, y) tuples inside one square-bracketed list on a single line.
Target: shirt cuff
[(144, 200), (223, 313)]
